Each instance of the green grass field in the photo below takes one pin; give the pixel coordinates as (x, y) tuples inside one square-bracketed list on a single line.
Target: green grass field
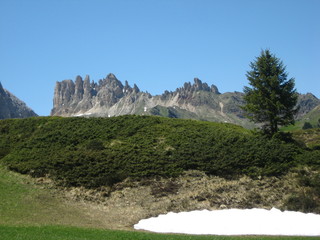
[(25, 203), (73, 233)]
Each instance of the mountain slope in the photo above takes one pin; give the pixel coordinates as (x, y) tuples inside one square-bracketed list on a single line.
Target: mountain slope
[(12, 107), (313, 116)]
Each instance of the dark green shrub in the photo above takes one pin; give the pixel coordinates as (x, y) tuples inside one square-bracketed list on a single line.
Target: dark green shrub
[(307, 125), (95, 145), (302, 202), (93, 152), (310, 158), (4, 151)]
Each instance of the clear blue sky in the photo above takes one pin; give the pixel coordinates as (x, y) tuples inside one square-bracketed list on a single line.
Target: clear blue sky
[(157, 44)]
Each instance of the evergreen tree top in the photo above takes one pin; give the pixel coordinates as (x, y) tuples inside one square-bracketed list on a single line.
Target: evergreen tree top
[(271, 99)]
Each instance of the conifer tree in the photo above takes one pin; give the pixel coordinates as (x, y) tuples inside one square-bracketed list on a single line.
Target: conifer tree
[(271, 99)]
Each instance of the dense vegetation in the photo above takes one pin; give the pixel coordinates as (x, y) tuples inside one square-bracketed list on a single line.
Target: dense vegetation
[(93, 152)]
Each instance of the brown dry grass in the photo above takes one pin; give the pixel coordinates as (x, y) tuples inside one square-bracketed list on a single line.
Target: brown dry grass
[(39, 201), (130, 201)]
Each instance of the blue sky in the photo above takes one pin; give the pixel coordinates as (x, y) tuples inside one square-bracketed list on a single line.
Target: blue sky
[(157, 44)]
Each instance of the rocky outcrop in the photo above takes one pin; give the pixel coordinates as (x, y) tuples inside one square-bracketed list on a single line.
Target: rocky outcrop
[(197, 100), (109, 97), (12, 107), (99, 99), (306, 103)]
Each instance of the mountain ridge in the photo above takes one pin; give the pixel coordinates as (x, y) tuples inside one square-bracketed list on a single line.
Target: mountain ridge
[(110, 97)]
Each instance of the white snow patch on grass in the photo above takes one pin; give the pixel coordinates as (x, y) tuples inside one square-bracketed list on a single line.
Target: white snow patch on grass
[(235, 222)]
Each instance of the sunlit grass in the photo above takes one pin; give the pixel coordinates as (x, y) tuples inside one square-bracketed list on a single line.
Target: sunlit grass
[(73, 233), (22, 202)]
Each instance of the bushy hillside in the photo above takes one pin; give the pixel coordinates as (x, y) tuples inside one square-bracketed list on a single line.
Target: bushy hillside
[(93, 152)]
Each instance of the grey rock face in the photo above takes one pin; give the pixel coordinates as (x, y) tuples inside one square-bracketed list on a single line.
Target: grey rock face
[(306, 103), (85, 98), (109, 97), (12, 107)]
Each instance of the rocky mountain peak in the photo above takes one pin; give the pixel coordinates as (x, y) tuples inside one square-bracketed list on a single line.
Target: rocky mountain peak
[(88, 88), (306, 103), (198, 85), (135, 88), (12, 107), (87, 78), (214, 89), (79, 91), (1, 89), (110, 81), (111, 76), (197, 100), (79, 96)]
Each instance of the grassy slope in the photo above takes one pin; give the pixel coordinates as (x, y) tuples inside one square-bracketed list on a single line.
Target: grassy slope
[(24, 202), (312, 117), (29, 212), (310, 137)]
